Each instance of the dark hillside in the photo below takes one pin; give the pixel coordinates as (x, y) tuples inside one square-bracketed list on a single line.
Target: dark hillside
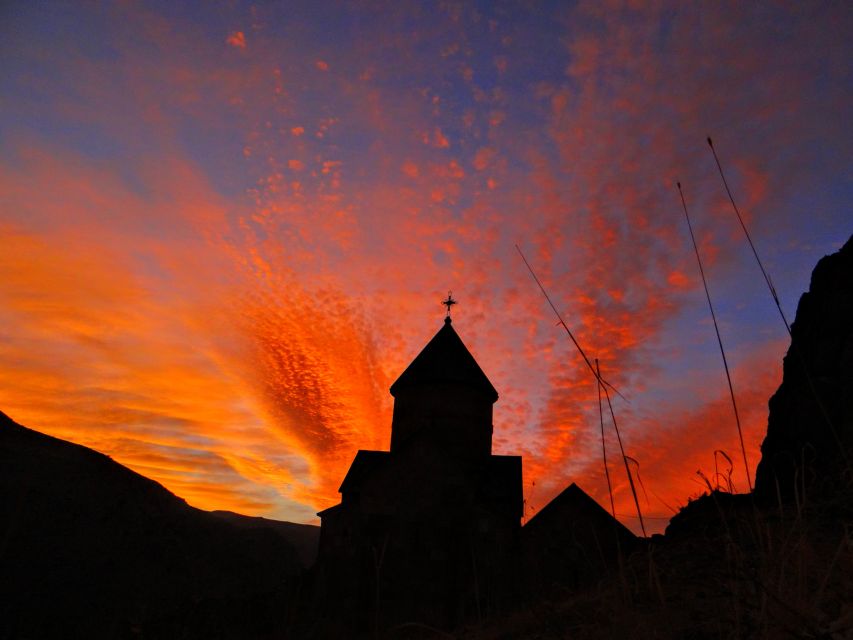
[(91, 549), (303, 537)]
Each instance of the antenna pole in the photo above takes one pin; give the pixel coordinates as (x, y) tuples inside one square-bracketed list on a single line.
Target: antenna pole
[(625, 460), (566, 327), (603, 446), (770, 286), (717, 330), (602, 385), (749, 239)]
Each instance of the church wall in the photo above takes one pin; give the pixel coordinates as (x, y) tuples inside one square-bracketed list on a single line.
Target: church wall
[(457, 419), (440, 570)]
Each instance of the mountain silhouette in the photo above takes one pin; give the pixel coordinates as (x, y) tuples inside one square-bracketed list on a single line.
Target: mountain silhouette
[(89, 548), (809, 442)]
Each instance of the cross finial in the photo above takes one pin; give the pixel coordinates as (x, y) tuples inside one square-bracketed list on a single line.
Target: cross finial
[(448, 303)]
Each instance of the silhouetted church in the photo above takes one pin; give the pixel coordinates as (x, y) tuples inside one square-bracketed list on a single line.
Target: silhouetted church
[(425, 529), (430, 531)]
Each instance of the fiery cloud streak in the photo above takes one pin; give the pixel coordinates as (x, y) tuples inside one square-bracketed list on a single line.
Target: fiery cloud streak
[(224, 234)]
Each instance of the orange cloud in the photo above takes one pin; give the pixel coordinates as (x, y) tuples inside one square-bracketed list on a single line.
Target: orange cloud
[(678, 280), (439, 139), (171, 295), (126, 383), (482, 158), (410, 169), (671, 447), (237, 39)]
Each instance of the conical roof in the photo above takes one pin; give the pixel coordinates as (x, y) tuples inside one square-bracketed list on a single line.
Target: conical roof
[(445, 359)]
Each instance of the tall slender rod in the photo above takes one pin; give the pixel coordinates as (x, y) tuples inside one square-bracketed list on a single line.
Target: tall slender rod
[(775, 296), (603, 384), (719, 339), (749, 239), (625, 460), (604, 446), (566, 327)]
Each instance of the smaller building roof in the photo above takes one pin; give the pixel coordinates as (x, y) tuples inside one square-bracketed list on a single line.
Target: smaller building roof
[(575, 505), (497, 484), (365, 464), (445, 359), (329, 511)]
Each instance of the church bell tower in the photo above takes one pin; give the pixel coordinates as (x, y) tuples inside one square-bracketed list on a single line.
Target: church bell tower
[(444, 400)]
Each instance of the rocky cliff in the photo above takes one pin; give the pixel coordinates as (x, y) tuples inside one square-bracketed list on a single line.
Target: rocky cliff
[(809, 442)]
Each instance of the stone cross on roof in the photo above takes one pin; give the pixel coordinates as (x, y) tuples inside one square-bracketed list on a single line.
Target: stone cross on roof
[(448, 303)]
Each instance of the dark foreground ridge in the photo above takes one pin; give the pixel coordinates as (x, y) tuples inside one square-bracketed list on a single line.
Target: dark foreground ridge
[(91, 549)]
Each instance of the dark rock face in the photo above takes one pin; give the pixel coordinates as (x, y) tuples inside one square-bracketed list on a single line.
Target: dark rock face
[(90, 549), (809, 442)]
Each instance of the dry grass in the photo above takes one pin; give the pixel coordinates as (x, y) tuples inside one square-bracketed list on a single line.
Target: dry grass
[(727, 569)]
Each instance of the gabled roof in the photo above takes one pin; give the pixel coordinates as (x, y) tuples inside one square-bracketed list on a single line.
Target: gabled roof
[(573, 505), (364, 464), (445, 359), (498, 483)]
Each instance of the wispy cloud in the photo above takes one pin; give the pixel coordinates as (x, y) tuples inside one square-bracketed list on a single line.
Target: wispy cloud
[(221, 246)]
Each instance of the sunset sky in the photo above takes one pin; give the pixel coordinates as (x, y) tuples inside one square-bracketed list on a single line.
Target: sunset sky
[(226, 228)]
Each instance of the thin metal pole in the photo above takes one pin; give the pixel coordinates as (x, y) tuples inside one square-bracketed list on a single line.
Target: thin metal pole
[(719, 339), (749, 239), (566, 327), (603, 384), (625, 460), (603, 446), (773, 293)]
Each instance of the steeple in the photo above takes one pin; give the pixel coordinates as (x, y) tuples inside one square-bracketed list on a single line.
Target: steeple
[(443, 399), (445, 359)]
